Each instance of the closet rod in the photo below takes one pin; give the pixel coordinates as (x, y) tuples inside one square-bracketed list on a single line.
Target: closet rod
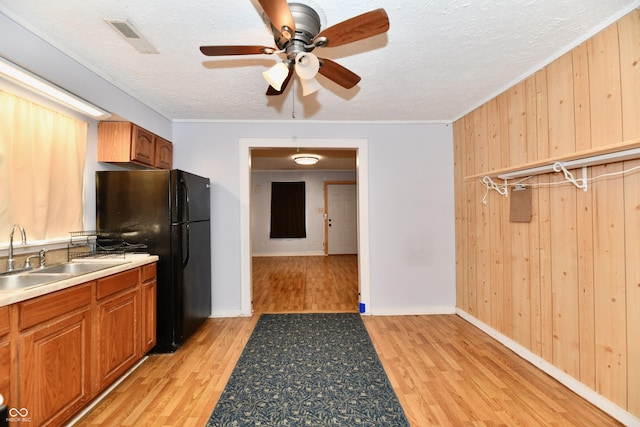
[(602, 159)]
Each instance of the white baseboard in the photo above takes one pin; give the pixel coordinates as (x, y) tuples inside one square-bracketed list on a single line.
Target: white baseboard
[(620, 414), (228, 313), (104, 394), (411, 311), (266, 254)]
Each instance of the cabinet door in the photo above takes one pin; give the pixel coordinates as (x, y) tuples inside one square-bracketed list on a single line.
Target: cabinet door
[(142, 146), (5, 356), (148, 323), (54, 368), (148, 312), (118, 335), (164, 154)]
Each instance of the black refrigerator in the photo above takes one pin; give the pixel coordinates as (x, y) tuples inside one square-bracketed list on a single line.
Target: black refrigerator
[(169, 212)]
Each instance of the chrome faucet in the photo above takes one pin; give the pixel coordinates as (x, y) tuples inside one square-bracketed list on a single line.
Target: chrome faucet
[(10, 261), (41, 255)]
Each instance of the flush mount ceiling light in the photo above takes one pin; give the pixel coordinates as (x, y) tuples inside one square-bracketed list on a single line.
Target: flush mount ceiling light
[(306, 159), (296, 32), (47, 89)]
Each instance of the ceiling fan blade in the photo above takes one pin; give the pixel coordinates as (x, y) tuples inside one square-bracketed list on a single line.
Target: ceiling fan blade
[(279, 14), (236, 50), (357, 28), (336, 72), (271, 91)]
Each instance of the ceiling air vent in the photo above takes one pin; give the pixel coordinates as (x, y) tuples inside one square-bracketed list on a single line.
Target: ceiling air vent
[(131, 35)]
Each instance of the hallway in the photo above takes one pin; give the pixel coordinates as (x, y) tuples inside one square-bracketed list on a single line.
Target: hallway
[(305, 284)]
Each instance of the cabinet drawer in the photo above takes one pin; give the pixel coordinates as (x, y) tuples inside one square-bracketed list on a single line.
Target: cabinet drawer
[(116, 283), (4, 320), (148, 272), (47, 307)]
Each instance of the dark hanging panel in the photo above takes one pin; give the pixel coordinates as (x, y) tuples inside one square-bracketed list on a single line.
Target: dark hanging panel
[(288, 210)]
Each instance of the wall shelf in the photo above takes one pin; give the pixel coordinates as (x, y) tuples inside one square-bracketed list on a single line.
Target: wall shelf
[(628, 150)]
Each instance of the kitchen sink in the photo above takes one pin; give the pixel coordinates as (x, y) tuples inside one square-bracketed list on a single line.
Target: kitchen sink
[(73, 268), (53, 273), (22, 281)]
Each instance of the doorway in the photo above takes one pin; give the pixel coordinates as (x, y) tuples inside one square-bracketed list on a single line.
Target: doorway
[(341, 213), (360, 146)]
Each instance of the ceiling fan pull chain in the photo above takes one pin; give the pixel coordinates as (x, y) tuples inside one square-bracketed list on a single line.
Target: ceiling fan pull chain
[(293, 100)]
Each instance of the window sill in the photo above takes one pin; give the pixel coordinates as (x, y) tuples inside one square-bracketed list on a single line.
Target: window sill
[(33, 245)]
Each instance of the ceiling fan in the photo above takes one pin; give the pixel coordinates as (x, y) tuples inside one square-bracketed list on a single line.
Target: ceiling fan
[(296, 33)]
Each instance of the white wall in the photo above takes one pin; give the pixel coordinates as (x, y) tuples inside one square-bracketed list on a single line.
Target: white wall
[(411, 212), (313, 244), (34, 54), (410, 181)]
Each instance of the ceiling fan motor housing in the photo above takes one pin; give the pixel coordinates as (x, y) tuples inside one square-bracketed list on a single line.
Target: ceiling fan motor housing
[(307, 23)]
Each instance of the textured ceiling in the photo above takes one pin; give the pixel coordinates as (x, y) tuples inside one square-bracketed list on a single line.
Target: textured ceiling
[(440, 58)]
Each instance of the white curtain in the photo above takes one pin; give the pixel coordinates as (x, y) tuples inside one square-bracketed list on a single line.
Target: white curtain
[(42, 157)]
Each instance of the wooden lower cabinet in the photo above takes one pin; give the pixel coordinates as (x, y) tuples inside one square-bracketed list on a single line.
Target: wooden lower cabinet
[(148, 324), (5, 356), (54, 369), (119, 338), (55, 355), (60, 350)]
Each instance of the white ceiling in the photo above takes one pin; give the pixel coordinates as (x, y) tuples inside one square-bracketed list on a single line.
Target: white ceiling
[(440, 58)]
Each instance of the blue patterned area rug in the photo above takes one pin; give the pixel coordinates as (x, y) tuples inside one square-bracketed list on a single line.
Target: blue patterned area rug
[(308, 370)]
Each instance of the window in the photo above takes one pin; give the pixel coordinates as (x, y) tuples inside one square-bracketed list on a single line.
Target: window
[(42, 158), (288, 210)]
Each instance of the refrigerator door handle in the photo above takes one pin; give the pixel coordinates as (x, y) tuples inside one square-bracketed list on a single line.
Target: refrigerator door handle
[(184, 185), (185, 261)]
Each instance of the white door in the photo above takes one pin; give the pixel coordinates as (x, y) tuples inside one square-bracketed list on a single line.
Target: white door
[(342, 219)]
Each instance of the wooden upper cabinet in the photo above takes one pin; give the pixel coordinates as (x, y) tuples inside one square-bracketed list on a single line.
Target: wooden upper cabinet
[(129, 145), (142, 146), (164, 154)]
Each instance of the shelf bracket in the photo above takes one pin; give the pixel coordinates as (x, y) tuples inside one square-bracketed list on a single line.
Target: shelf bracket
[(568, 176), (491, 185)]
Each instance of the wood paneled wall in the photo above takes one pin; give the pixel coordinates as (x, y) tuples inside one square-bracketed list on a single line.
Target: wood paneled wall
[(565, 285)]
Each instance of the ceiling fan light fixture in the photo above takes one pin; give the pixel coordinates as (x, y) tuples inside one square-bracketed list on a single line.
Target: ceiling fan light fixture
[(306, 159), (276, 75), (309, 86), (307, 65)]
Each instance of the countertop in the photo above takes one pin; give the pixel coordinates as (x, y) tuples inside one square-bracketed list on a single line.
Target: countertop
[(130, 261)]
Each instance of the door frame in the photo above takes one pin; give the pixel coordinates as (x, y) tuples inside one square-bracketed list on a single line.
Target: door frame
[(326, 209), (362, 174)]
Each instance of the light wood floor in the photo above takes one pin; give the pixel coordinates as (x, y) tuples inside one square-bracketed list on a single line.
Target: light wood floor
[(305, 284), (445, 371)]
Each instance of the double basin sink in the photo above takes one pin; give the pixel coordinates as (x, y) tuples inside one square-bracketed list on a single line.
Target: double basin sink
[(54, 273)]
